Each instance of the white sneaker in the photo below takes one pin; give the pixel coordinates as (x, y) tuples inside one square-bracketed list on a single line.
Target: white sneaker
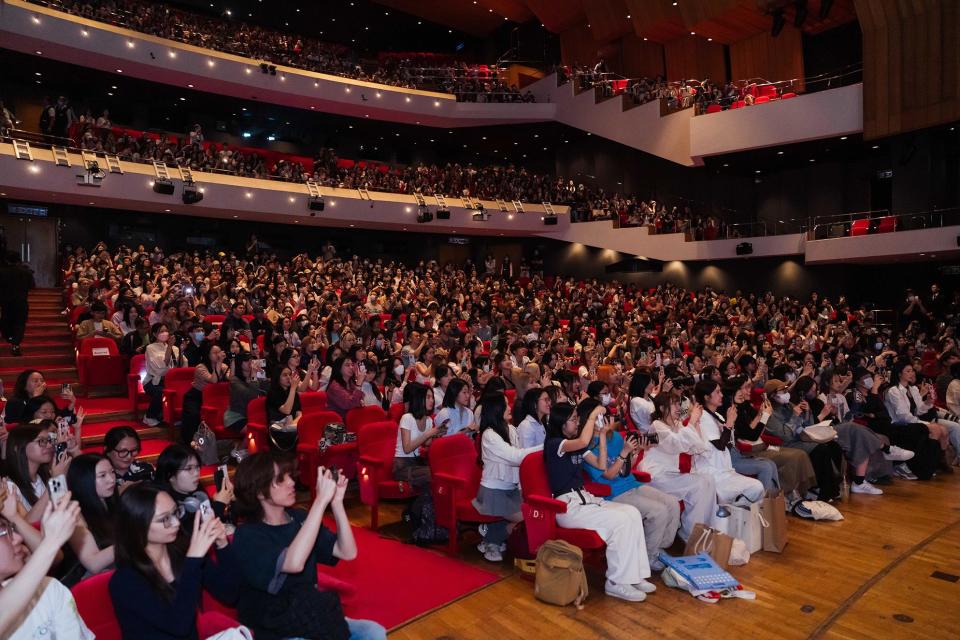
[(898, 455), (657, 565), (624, 592), (492, 554), (645, 586), (903, 471), (150, 422), (482, 547), (866, 488)]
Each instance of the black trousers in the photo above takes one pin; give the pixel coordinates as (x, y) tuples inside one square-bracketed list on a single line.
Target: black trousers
[(913, 437), (827, 459), (190, 417), (13, 320)]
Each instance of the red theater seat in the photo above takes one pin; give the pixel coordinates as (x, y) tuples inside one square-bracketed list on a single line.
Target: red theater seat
[(137, 373), (762, 99), (376, 446), (99, 363), (455, 479), (216, 401), (860, 227), (310, 432), (887, 224), (257, 437), (175, 384), (714, 108)]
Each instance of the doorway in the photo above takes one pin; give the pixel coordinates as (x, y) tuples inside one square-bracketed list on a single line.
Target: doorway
[(35, 241)]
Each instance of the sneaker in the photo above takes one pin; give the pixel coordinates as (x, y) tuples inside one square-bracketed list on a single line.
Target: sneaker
[(897, 454), (150, 422), (624, 592), (482, 547), (866, 488), (645, 586), (903, 471), (492, 554), (657, 565), (482, 530)]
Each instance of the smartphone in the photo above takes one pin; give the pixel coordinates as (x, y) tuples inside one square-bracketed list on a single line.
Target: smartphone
[(219, 475), (58, 488), (658, 361), (206, 511), (651, 438), (64, 388), (335, 473)]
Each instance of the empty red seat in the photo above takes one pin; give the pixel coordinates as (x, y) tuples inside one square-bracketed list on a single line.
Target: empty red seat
[(454, 482), (768, 90), (762, 99), (99, 362), (714, 108), (788, 95), (175, 384), (887, 224), (357, 418), (136, 374), (257, 437), (216, 401), (860, 227), (737, 104), (376, 446), (313, 401)]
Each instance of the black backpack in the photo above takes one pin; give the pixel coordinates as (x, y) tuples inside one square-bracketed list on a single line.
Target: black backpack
[(421, 519)]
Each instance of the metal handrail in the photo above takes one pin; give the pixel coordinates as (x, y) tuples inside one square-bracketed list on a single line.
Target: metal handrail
[(936, 216)]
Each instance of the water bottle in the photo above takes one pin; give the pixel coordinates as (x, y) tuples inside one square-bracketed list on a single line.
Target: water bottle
[(844, 483)]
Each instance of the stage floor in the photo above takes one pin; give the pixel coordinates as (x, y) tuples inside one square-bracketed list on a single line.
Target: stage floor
[(889, 570)]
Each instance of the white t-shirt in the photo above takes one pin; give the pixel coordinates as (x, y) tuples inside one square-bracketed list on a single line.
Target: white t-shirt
[(409, 423), (530, 432), (641, 412), (51, 615), (458, 418)]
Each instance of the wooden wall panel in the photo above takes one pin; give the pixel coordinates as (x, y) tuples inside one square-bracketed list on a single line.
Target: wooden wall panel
[(607, 19), (911, 75), (577, 45), (642, 59), (762, 56), (692, 57)]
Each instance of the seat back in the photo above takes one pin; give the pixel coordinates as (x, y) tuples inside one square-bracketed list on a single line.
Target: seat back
[(887, 224), (214, 318), (541, 525), (98, 346), (138, 366), (313, 401), (94, 606), (378, 441), (311, 425), (217, 395), (179, 379), (533, 476), (456, 455), (396, 411), (860, 227), (361, 416)]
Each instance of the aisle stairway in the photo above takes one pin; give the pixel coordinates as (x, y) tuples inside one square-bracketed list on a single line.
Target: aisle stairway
[(48, 347)]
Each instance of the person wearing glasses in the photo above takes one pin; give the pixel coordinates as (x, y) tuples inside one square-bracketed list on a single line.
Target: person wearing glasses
[(30, 463), (178, 473), (156, 588), (33, 605), (121, 446)]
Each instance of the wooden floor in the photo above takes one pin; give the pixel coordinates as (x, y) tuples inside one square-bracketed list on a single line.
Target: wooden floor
[(872, 575)]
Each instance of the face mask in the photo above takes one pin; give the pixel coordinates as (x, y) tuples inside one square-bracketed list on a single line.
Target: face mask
[(783, 397), (198, 336), (605, 399), (867, 383), (878, 346), (398, 370)]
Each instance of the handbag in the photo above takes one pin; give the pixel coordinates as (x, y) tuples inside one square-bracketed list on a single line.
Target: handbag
[(283, 435), (335, 433), (820, 433), (205, 444)]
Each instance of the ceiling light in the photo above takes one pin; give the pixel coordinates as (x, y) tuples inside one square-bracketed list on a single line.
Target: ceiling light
[(34, 169), (693, 33), (189, 86), (130, 44), (172, 54), (757, 171), (876, 146), (843, 137), (210, 63), (248, 70), (37, 73), (248, 194), (38, 52), (35, 19), (84, 33), (119, 70), (779, 153), (408, 98), (709, 39)]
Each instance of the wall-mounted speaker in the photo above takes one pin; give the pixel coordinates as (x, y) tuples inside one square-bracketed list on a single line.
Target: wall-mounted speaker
[(744, 249)]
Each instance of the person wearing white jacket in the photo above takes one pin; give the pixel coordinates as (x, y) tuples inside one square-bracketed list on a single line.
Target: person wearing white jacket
[(662, 461), (499, 493)]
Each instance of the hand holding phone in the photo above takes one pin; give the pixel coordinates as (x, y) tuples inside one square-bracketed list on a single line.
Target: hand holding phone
[(58, 488)]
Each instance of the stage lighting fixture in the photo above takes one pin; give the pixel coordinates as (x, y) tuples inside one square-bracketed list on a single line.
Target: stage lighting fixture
[(744, 249), (424, 215), (92, 176), (442, 214), (549, 220), (191, 194), (163, 187), (315, 204), (778, 22)]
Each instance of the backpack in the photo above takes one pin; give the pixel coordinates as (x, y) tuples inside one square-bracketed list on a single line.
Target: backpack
[(422, 521), (560, 578)]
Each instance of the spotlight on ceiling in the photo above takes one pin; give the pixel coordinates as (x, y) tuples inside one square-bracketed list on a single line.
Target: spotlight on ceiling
[(191, 193)]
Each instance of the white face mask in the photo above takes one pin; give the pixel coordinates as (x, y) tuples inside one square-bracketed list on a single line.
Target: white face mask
[(791, 377), (782, 397), (867, 383), (878, 346), (398, 370), (605, 399), (665, 362)]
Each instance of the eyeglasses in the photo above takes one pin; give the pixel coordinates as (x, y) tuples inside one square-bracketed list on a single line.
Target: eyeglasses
[(6, 529), (190, 468), (126, 453), (168, 521), (45, 442)]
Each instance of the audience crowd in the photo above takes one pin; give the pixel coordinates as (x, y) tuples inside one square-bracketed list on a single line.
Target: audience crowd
[(598, 378), (470, 83)]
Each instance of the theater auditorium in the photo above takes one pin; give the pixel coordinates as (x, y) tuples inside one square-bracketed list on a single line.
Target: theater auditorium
[(479, 319)]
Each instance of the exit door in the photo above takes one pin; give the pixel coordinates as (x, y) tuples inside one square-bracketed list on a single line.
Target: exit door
[(35, 241)]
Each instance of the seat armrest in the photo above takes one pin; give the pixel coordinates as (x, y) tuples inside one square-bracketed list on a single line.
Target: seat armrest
[(641, 476), (446, 478), (769, 439), (599, 489), (547, 504)]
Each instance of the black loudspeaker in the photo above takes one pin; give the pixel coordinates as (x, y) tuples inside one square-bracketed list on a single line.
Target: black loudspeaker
[(958, 241), (744, 249), (316, 204), (443, 214), (550, 220), (163, 187)]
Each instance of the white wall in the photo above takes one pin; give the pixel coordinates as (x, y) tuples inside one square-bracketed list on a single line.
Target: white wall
[(888, 247)]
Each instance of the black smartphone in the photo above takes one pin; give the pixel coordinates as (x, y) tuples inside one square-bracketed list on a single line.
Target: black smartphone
[(335, 474), (219, 475), (60, 450)]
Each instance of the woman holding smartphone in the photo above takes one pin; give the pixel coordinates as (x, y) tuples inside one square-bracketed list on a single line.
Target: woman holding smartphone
[(31, 462)]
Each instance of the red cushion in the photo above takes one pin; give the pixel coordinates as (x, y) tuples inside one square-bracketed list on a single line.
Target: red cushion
[(583, 538)]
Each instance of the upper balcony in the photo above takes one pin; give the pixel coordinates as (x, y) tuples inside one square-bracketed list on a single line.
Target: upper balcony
[(38, 30)]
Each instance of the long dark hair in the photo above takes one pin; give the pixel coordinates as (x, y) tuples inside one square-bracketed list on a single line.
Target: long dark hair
[(138, 506), (20, 386), (417, 403), (639, 382), (492, 409), (336, 375), (116, 435), (454, 387), (17, 466), (559, 414), (529, 404), (97, 512), (171, 461)]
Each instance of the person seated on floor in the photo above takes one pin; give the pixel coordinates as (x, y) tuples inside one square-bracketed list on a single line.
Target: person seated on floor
[(97, 325), (156, 589), (281, 547), (614, 458), (178, 473), (33, 605), (565, 449), (499, 493), (121, 446)]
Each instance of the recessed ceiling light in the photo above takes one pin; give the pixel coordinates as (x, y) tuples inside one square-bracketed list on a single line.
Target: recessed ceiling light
[(38, 52), (876, 146), (757, 171), (779, 153), (119, 70), (813, 159), (843, 137), (190, 86)]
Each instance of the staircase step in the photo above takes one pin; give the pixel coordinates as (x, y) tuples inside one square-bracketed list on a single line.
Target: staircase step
[(62, 332), (93, 434), (60, 373), (33, 346), (37, 360)]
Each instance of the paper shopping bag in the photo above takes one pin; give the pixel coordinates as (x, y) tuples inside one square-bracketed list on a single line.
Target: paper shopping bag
[(774, 512), (707, 540)]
